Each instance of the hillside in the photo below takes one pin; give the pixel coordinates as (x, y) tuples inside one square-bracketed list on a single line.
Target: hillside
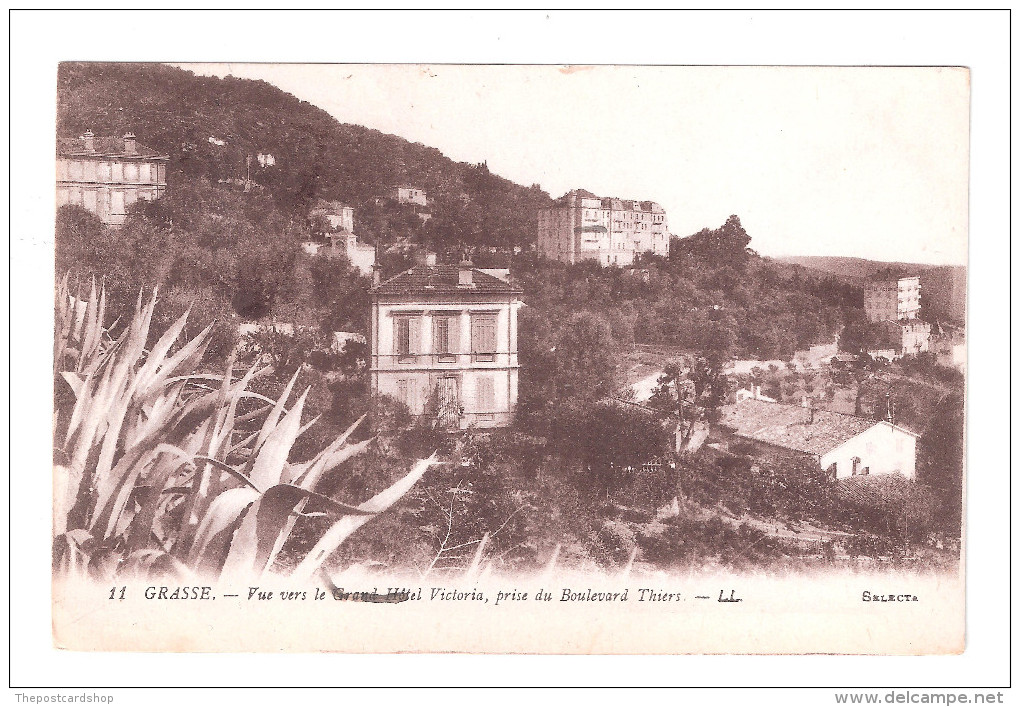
[(943, 287), (851, 268), (188, 116)]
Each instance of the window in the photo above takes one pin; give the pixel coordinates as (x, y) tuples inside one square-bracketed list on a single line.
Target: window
[(483, 337), (407, 338), (405, 394), (485, 395), (446, 337)]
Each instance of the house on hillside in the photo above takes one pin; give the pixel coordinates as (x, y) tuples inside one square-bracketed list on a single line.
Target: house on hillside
[(444, 342), (843, 445), (410, 195), (337, 216), (337, 219), (107, 174)]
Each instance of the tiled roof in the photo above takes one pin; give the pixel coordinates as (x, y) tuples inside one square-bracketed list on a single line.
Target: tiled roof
[(790, 426), (104, 147), (442, 279)]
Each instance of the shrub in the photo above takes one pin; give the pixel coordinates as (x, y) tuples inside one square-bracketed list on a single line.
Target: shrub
[(157, 469)]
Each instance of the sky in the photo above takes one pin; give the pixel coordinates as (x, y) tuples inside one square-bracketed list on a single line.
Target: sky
[(854, 161)]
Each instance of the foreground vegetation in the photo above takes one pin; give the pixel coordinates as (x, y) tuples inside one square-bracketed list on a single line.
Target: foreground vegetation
[(161, 469)]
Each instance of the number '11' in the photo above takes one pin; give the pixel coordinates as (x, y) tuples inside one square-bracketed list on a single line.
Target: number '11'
[(114, 593)]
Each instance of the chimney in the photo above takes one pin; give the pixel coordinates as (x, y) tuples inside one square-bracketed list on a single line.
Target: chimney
[(466, 274), (89, 138), (755, 391), (376, 277), (806, 403), (130, 146)]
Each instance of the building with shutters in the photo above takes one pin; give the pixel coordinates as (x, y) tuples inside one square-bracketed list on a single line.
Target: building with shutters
[(107, 174), (894, 303), (892, 299), (582, 226), (444, 343)]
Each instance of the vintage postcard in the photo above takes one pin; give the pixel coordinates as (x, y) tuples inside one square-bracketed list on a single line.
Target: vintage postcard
[(510, 358)]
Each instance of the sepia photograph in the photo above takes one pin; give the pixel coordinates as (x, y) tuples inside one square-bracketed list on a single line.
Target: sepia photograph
[(467, 354), (301, 358)]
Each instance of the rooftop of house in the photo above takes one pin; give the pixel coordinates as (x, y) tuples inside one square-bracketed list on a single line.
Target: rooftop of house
[(793, 426), (443, 279), (105, 147)]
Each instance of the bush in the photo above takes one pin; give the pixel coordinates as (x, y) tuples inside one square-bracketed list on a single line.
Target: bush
[(156, 471)]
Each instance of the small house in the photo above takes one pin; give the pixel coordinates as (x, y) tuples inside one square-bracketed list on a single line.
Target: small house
[(842, 445)]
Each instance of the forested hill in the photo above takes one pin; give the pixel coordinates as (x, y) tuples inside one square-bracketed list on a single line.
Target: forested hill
[(176, 112), (853, 268)]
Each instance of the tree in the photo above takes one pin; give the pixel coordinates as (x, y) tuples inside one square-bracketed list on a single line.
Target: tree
[(940, 457), (724, 245), (616, 437), (692, 389)]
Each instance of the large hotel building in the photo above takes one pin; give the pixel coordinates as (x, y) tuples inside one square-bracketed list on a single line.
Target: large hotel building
[(581, 226)]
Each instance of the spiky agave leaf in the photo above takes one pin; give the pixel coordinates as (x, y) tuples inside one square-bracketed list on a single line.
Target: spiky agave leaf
[(343, 528), (255, 542)]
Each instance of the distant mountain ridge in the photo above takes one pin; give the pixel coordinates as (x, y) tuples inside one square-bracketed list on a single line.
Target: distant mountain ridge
[(854, 268), (943, 287)]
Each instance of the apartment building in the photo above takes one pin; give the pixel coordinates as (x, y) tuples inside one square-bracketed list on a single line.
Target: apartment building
[(896, 303), (892, 299), (582, 226)]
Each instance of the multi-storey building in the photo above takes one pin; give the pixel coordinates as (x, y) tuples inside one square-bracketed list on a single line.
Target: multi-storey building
[(581, 226), (106, 174), (896, 303), (893, 299), (444, 342)]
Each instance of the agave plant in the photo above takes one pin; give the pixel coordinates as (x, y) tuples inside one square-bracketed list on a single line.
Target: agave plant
[(156, 470)]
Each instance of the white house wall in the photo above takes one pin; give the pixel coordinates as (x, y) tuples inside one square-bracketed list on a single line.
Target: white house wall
[(424, 372), (883, 449)]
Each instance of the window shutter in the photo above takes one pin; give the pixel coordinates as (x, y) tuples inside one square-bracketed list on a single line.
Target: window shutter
[(414, 335), (440, 335), (483, 335), (484, 394), (476, 335), (490, 335), (400, 335), (454, 329)]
